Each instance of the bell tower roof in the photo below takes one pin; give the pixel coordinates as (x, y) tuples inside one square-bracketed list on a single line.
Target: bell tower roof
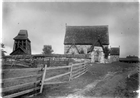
[(22, 45), (23, 34)]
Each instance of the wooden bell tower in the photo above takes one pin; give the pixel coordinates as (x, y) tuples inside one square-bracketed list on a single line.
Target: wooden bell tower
[(22, 45)]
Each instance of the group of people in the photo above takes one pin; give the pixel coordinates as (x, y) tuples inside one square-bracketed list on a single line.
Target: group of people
[(97, 55)]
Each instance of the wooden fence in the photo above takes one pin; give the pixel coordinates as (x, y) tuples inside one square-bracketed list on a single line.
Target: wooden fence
[(76, 70), (16, 82)]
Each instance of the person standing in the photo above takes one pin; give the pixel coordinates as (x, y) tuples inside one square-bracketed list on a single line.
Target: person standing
[(92, 57)]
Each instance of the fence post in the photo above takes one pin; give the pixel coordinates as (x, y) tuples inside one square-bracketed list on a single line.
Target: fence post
[(49, 62), (67, 61), (85, 66), (71, 72), (43, 78)]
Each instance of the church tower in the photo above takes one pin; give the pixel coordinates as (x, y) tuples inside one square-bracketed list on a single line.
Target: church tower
[(22, 45)]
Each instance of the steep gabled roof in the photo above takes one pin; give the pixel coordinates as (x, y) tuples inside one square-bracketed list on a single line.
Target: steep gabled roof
[(16, 52), (86, 35), (115, 51), (23, 34)]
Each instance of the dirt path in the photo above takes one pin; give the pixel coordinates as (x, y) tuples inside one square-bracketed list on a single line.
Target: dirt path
[(65, 90), (101, 81)]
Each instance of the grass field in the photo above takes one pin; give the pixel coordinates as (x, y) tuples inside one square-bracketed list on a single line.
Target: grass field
[(16, 71), (104, 80), (101, 80)]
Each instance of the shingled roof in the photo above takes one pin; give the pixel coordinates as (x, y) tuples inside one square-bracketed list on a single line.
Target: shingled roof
[(86, 35), (115, 51), (23, 34)]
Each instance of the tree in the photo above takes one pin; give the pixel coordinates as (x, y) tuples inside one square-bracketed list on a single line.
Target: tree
[(2, 50), (47, 49)]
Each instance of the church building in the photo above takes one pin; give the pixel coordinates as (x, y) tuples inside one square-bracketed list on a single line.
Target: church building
[(87, 39), (22, 45)]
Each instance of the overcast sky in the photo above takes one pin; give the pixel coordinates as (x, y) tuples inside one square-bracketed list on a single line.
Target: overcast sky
[(46, 21)]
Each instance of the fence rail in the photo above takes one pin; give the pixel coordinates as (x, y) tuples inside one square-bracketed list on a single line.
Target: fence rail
[(20, 78), (16, 82), (33, 79), (75, 70), (21, 93), (19, 86)]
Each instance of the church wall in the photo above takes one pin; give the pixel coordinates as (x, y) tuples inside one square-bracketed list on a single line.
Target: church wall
[(95, 57), (73, 49)]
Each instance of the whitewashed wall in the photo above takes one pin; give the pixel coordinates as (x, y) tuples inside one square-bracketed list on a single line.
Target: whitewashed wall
[(85, 48), (73, 49)]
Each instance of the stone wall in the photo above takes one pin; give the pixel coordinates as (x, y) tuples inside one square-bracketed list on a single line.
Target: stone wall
[(113, 58)]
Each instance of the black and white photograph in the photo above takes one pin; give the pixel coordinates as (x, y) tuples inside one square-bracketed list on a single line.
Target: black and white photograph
[(70, 49)]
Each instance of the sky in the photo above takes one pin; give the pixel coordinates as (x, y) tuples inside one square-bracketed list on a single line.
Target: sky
[(46, 23)]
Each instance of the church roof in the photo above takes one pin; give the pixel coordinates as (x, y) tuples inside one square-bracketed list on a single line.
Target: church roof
[(86, 35), (23, 34), (115, 51)]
